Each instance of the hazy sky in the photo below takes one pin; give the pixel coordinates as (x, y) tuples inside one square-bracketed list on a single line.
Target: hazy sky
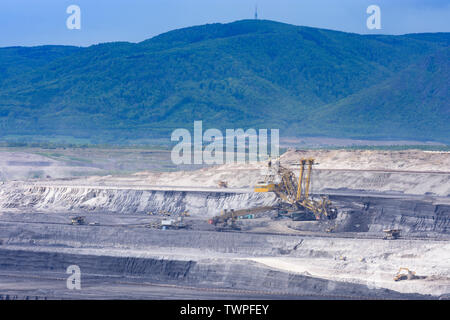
[(35, 22)]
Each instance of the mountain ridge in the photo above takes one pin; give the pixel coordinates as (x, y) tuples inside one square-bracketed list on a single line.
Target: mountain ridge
[(249, 73)]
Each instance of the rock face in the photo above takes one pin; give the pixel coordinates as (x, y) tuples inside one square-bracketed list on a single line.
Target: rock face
[(356, 213), (45, 198), (287, 266), (408, 183), (245, 277), (373, 215)]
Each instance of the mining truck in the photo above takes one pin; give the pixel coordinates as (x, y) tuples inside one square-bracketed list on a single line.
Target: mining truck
[(78, 220)]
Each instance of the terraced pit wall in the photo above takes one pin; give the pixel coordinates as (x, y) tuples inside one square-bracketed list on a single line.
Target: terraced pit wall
[(75, 199), (357, 214)]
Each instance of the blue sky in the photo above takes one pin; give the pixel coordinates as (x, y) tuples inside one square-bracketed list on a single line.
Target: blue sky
[(36, 22)]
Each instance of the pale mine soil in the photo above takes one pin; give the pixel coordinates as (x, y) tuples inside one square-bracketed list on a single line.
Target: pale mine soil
[(413, 172), (372, 262), (14, 164)]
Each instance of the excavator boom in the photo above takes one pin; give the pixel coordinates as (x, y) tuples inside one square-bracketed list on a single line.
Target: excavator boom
[(227, 216)]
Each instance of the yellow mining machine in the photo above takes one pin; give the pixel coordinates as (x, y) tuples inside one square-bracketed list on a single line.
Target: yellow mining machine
[(294, 194), (295, 200), (405, 274)]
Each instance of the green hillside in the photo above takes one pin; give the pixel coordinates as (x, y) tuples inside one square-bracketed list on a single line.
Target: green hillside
[(250, 73)]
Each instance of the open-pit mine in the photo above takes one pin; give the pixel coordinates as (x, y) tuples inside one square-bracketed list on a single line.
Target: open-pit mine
[(359, 224)]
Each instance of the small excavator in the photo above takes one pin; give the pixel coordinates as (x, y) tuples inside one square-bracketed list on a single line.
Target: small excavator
[(222, 184), (405, 274), (227, 218)]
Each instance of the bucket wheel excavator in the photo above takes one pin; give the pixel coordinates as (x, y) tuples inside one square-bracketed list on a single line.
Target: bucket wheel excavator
[(294, 194)]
